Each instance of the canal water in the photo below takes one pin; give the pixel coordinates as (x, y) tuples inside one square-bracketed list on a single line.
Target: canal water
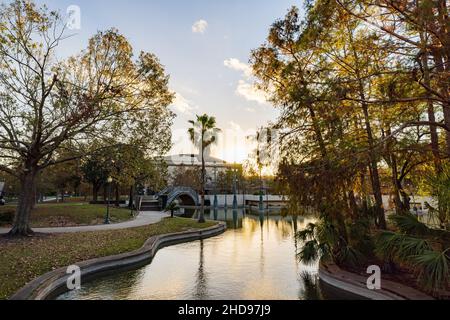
[(254, 259)]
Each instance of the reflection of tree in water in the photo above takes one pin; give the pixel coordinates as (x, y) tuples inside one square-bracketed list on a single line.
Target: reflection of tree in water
[(311, 288), (294, 223), (261, 220), (295, 226), (201, 291), (261, 250)]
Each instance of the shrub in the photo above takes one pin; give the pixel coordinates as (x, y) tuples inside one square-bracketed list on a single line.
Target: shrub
[(6, 216)]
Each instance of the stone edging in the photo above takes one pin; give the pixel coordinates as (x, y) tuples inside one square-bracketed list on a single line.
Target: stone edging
[(53, 283), (354, 283)]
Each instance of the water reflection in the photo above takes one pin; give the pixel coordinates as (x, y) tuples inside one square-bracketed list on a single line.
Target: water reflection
[(254, 259), (311, 289), (201, 287)]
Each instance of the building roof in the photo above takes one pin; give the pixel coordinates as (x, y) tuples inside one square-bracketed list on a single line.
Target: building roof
[(193, 159)]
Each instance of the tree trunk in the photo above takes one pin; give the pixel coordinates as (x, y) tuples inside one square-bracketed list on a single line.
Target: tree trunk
[(439, 66), (21, 224), (352, 205), (373, 164), (105, 194), (117, 195), (399, 208), (376, 184), (396, 183), (318, 133), (434, 138), (95, 188), (447, 123), (201, 219), (35, 198), (442, 63), (62, 196), (430, 110), (130, 197), (377, 194), (365, 206)]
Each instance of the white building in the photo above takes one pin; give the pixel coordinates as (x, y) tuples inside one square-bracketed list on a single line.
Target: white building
[(213, 165)]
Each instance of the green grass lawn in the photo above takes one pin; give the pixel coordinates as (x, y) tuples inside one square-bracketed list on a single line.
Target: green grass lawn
[(22, 260), (69, 214)]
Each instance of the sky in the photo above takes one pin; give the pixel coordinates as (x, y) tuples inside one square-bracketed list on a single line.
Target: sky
[(205, 47)]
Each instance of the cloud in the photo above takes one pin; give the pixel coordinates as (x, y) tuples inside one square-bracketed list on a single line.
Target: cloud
[(245, 88), (189, 90), (237, 65), (234, 126), (199, 26), (183, 105), (251, 93)]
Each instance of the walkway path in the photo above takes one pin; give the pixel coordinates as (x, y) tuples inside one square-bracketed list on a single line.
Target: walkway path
[(143, 219)]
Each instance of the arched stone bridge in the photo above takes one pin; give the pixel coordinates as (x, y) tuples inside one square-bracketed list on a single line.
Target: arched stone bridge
[(188, 196)]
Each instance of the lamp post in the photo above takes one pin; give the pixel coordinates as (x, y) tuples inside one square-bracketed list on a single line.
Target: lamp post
[(226, 199), (215, 187), (235, 205), (134, 197), (261, 201), (109, 181), (244, 204)]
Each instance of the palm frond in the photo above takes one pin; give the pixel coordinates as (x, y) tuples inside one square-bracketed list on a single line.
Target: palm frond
[(210, 123), (409, 224), (191, 133), (204, 130), (327, 233), (325, 252), (350, 256), (308, 233), (439, 185), (311, 289), (172, 206), (309, 253), (209, 142), (393, 246), (360, 237), (434, 271)]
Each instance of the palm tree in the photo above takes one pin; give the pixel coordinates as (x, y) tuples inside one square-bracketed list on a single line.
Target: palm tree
[(172, 208), (203, 134)]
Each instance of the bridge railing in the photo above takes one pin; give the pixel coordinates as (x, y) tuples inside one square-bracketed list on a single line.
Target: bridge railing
[(176, 192), (165, 191)]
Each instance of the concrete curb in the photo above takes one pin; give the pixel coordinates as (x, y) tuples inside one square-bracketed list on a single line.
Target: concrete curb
[(355, 284), (53, 283)]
